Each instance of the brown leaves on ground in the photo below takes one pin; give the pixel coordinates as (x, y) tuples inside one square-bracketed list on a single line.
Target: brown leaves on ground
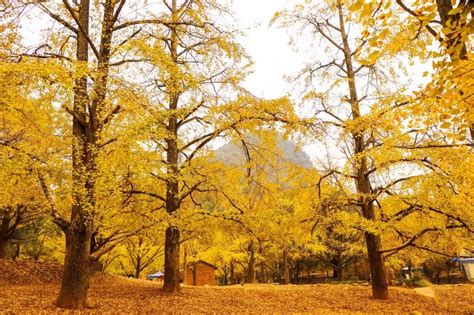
[(113, 294), (27, 287), (458, 297), (29, 272)]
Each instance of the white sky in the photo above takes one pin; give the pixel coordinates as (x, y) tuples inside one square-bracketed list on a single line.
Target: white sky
[(273, 56), (268, 47)]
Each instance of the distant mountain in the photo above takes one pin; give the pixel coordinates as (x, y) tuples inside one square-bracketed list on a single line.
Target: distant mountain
[(233, 153)]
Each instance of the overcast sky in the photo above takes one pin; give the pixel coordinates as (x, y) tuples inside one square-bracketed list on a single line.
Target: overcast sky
[(268, 46), (273, 56)]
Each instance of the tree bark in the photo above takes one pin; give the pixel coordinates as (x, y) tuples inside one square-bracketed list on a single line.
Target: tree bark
[(3, 247), (185, 263), (75, 281), (340, 273), (263, 273), (286, 269), (138, 268), (232, 273), (17, 251), (362, 181), (444, 6), (87, 125), (172, 237), (226, 275), (172, 275), (338, 268), (251, 264), (4, 239)]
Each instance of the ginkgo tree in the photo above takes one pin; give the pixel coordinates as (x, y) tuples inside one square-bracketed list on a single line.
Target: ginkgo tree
[(264, 189), (81, 58), (440, 113), (193, 97), (366, 103)]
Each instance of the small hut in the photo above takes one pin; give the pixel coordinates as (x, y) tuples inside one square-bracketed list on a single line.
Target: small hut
[(200, 273), (157, 275), (466, 264)]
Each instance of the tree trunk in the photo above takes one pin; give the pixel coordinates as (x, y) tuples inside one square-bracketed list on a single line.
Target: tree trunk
[(3, 247), (172, 238), (376, 263), (296, 273), (17, 251), (286, 269), (263, 273), (172, 276), (340, 273), (4, 233), (138, 268), (453, 38), (226, 276), (185, 263), (232, 273), (338, 269), (75, 281), (251, 265), (377, 267)]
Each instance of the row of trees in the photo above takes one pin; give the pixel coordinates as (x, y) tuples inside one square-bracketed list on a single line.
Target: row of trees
[(109, 125)]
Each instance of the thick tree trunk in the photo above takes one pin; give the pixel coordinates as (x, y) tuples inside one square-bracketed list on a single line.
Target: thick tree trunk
[(362, 181), (75, 281), (172, 275), (4, 233), (340, 273), (251, 264), (194, 276), (295, 273), (138, 268), (377, 267), (337, 269)]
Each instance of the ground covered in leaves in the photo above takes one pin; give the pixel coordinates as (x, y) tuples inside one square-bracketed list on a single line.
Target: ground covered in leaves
[(121, 295), (29, 272)]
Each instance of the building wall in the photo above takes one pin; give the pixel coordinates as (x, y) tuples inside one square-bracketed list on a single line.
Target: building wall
[(205, 275), (469, 268), (189, 275)]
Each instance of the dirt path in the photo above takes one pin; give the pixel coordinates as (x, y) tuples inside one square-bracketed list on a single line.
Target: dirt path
[(427, 291)]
